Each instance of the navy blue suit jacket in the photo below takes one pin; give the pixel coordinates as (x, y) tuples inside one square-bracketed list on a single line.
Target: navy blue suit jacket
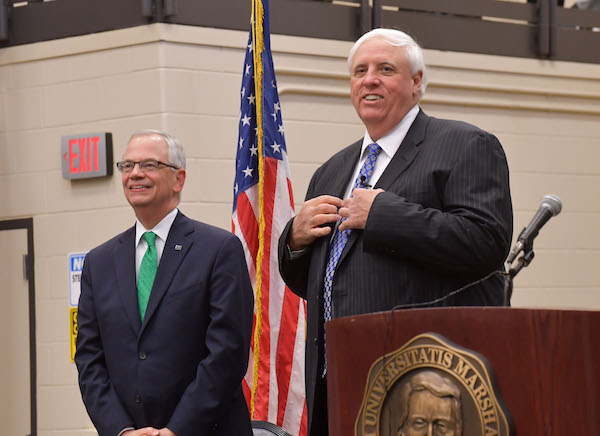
[(183, 365)]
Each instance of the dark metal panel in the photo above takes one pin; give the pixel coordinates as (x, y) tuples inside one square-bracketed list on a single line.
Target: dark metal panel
[(469, 8), (222, 14), (577, 46), (444, 32), (366, 15), (377, 13), (290, 17), (438, 24), (319, 20), (3, 20), (577, 18), (62, 18), (544, 36), (147, 9)]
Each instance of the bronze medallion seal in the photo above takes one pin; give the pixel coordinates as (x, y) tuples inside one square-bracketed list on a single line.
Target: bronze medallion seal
[(430, 386)]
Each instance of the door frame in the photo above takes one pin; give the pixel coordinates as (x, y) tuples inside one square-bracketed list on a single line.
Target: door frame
[(16, 224)]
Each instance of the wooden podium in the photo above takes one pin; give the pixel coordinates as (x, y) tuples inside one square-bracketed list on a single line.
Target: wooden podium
[(545, 362)]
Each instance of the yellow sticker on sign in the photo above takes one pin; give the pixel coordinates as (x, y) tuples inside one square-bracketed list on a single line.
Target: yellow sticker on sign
[(73, 325)]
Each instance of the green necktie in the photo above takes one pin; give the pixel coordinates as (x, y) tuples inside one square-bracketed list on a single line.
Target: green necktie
[(147, 273)]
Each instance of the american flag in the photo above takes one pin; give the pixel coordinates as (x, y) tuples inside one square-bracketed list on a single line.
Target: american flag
[(262, 205)]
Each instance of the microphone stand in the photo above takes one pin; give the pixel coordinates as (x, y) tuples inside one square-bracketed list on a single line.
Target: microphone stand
[(522, 262)]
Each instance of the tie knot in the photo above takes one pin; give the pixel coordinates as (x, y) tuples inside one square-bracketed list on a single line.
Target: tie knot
[(374, 149), (149, 237)]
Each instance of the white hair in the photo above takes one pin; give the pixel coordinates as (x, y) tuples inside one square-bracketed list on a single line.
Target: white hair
[(397, 38), (176, 151)]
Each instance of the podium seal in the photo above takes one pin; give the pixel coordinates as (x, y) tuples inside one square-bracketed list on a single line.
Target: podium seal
[(431, 386)]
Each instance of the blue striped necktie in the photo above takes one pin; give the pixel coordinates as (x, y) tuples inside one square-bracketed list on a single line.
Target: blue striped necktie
[(341, 238)]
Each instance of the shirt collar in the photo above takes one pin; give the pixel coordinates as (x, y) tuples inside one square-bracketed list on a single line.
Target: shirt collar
[(390, 143), (161, 229)]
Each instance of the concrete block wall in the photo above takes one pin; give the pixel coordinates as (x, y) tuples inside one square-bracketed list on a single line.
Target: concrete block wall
[(187, 81)]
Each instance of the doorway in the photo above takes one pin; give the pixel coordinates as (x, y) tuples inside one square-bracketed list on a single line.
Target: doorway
[(17, 328)]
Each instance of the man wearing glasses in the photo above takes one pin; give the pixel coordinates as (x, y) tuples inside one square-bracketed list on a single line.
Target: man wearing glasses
[(165, 313)]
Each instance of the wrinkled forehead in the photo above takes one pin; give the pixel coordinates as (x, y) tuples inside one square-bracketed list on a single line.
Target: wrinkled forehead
[(378, 50), (150, 146), (382, 40)]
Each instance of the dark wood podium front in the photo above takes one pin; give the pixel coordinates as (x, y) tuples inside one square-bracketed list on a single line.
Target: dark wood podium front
[(546, 362)]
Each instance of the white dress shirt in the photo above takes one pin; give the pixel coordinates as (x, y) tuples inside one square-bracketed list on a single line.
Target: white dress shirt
[(161, 230), (389, 144)]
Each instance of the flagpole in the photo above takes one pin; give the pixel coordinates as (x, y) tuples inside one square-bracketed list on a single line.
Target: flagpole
[(258, 46)]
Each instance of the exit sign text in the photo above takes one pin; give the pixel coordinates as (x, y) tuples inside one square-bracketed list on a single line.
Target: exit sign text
[(87, 155)]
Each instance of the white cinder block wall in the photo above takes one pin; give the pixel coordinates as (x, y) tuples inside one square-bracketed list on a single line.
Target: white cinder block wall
[(187, 81)]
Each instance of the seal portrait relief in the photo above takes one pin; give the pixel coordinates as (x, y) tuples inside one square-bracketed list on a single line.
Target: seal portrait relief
[(430, 386)]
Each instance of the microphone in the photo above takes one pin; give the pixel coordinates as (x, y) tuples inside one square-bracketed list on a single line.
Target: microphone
[(550, 206), (363, 182)]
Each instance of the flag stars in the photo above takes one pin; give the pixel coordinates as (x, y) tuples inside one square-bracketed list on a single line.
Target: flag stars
[(248, 171), (241, 143), (274, 115), (276, 107), (243, 91), (276, 147), (246, 120), (280, 130), (251, 99), (235, 188), (254, 150), (247, 69)]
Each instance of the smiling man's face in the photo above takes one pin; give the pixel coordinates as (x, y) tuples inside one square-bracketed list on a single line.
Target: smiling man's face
[(382, 87), (152, 194)]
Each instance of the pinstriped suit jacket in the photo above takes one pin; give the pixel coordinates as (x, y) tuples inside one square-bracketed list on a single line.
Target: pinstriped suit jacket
[(444, 220)]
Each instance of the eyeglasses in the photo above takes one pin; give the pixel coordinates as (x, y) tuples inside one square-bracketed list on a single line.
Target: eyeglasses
[(146, 166)]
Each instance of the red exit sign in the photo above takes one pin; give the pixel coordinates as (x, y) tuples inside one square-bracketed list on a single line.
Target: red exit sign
[(87, 155)]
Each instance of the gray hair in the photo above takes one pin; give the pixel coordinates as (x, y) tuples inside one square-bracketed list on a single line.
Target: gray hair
[(176, 151), (397, 38)]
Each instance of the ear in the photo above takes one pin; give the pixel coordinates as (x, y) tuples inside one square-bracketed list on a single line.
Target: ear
[(179, 180), (417, 81)]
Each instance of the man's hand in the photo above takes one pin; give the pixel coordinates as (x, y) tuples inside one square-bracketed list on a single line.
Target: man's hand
[(356, 208), (166, 432), (309, 223), (146, 431)]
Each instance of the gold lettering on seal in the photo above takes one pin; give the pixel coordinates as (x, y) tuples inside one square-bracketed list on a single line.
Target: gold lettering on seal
[(447, 361), (419, 356), (462, 368), (374, 402)]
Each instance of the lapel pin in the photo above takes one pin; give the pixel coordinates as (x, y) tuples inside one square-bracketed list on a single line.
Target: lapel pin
[(178, 247)]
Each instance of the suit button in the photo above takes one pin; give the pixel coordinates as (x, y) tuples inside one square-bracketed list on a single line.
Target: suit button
[(138, 399), (315, 341), (142, 356)]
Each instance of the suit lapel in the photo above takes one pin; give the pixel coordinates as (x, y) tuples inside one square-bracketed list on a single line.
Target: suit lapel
[(405, 155), (124, 261), (176, 248), (341, 176)]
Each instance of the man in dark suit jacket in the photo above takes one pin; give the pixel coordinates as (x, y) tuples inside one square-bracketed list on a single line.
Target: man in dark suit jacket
[(439, 215), (175, 365)]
